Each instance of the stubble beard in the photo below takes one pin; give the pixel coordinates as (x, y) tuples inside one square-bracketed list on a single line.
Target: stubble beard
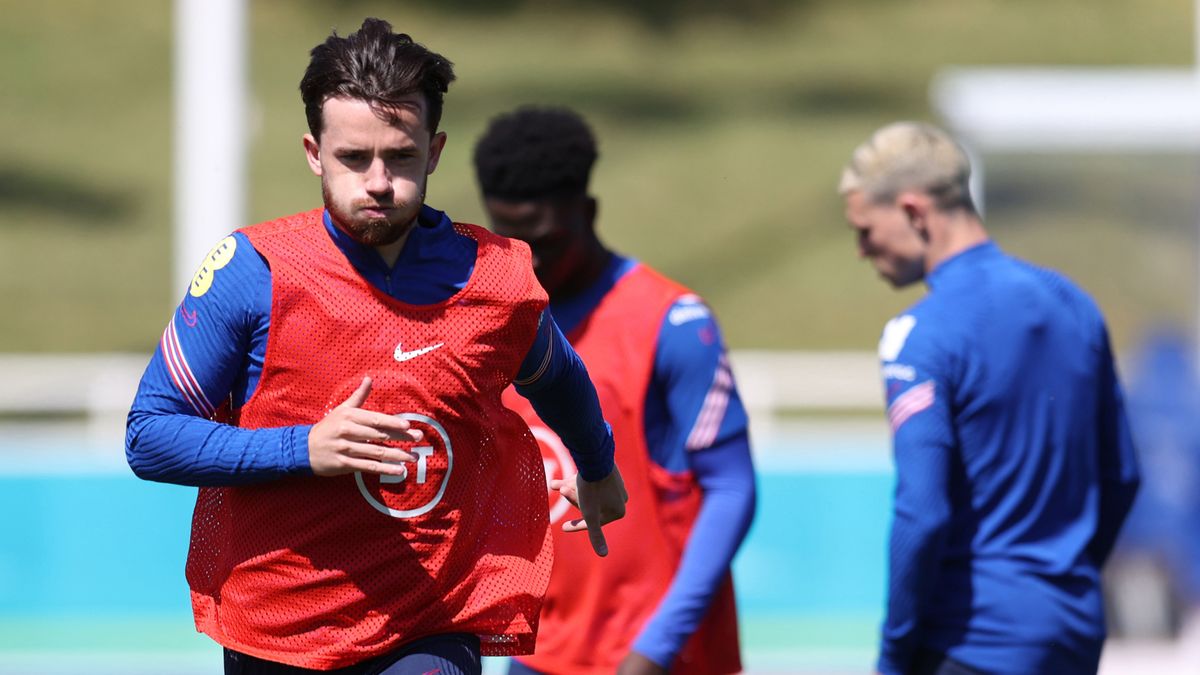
[(370, 231), (904, 274)]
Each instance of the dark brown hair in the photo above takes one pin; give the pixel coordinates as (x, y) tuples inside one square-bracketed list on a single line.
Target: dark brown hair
[(376, 65)]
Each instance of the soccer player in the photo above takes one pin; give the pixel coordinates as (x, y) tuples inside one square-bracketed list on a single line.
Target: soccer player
[(332, 381), (1013, 457), (663, 600)]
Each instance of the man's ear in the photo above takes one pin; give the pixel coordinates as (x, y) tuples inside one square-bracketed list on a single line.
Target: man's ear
[(312, 153), (916, 207), (436, 145)]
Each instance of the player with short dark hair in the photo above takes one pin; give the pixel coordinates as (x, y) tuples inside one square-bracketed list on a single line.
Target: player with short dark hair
[(664, 599), (1014, 463), (332, 381)]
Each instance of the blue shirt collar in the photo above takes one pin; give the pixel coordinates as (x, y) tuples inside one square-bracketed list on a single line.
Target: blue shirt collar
[(435, 263), (962, 260), (570, 312)]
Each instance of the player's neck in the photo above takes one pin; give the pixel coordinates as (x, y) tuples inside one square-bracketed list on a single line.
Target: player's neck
[(589, 273), (391, 252), (957, 232)]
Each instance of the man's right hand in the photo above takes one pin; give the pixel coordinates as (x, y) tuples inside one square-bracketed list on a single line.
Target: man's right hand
[(349, 438)]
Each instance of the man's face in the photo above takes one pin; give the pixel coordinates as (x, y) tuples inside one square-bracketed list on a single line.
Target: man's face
[(886, 236), (557, 231), (374, 167)]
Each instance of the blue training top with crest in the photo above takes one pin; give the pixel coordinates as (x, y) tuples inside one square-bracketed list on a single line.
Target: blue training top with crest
[(1015, 469)]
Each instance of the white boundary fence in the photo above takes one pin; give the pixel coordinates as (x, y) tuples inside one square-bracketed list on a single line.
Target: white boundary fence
[(773, 381), (91, 384), (98, 388), (38, 390)]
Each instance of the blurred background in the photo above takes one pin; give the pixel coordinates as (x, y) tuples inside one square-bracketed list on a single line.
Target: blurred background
[(723, 127)]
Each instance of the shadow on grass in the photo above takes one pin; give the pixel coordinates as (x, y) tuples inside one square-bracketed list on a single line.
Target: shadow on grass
[(636, 102), (661, 16), (39, 191), (1139, 191), (848, 97)]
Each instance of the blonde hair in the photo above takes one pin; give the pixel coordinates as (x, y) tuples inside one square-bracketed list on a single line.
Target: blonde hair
[(910, 156)]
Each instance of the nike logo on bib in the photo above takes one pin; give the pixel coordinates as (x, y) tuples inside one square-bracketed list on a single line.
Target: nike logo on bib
[(403, 356)]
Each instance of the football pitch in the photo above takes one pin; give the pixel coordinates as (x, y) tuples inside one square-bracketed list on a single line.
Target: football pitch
[(91, 567)]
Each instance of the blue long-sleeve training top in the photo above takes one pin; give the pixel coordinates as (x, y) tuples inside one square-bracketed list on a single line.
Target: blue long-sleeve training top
[(1015, 469), (694, 420), (213, 350)]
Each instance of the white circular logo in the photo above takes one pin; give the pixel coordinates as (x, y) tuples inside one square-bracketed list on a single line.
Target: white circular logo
[(423, 483), (558, 464)]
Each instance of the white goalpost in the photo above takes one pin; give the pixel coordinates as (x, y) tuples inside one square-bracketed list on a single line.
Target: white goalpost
[(210, 129)]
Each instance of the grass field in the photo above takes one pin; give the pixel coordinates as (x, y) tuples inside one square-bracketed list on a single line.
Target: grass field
[(809, 586), (810, 577), (721, 142)]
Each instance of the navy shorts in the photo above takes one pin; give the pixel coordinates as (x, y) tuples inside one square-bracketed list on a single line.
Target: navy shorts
[(449, 654), (929, 662)]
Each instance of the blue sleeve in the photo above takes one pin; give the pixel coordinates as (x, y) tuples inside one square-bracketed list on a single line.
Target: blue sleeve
[(1119, 474), (215, 337), (696, 421), (726, 475), (554, 379), (692, 403), (919, 414)]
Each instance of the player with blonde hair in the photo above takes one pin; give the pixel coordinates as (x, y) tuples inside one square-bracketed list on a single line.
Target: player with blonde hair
[(1014, 464)]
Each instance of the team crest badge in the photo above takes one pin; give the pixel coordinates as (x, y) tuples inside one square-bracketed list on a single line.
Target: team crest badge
[(895, 334)]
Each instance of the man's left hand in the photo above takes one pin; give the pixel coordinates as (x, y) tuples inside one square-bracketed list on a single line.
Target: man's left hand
[(600, 502)]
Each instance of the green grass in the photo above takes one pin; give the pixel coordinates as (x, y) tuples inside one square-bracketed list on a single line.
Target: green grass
[(774, 644), (777, 643), (102, 633), (721, 143)]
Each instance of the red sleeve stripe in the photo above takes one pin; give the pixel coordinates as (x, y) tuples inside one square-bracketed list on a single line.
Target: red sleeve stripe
[(181, 373), (712, 413), (910, 403)]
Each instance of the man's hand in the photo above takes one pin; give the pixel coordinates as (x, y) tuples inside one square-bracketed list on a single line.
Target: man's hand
[(600, 503), (349, 438), (636, 664)]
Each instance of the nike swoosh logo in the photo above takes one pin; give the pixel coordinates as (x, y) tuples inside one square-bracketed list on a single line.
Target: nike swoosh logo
[(403, 356)]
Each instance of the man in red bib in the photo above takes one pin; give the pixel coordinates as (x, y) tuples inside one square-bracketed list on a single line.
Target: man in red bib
[(663, 600), (332, 381)]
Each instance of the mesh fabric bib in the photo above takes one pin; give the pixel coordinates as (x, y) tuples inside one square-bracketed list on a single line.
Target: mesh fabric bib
[(327, 572), (595, 607)]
